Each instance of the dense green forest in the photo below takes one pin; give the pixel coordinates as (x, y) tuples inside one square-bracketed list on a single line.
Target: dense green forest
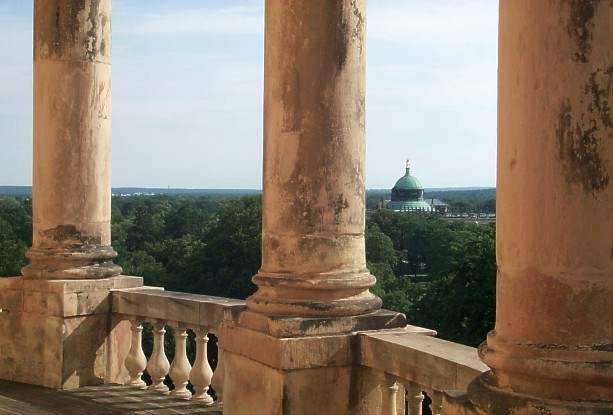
[(440, 273)]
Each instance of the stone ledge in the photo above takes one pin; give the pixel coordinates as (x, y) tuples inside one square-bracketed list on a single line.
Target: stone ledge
[(433, 363), (189, 309), (69, 285)]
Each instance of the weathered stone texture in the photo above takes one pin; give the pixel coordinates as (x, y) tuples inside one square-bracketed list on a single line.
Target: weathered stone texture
[(71, 190), (194, 310), (313, 260), (61, 333), (329, 390), (553, 335)]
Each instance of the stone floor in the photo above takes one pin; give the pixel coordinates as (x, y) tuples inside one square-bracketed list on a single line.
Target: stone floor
[(21, 399)]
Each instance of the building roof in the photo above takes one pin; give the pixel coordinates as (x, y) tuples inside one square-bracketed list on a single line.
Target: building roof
[(408, 182), (437, 202), (407, 194)]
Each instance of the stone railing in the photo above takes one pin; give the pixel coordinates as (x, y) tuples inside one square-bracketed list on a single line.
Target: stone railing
[(410, 362), (181, 312), (413, 362)]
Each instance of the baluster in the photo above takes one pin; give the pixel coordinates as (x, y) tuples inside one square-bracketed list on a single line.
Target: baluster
[(180, 367), (136, 360), (436, 407), (415, 398), (218, 376), (392, 393), (158, 364), (201, 373)]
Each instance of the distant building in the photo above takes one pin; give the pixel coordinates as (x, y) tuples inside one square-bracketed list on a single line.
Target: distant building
[(438, 206), (408, 194)]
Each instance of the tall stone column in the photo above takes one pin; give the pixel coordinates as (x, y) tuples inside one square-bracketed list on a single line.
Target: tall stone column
[(297, 337), (72, 141), (57, 329), (313, 259), (551, 350)]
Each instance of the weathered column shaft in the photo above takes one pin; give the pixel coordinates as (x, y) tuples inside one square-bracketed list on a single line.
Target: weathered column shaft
[(57, 329), (72, 141), (313, 259), (553, 335)]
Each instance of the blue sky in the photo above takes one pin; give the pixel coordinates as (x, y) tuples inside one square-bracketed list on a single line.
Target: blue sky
[(187, 92)]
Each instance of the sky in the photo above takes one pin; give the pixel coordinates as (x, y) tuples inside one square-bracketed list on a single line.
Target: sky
[(188, 87)]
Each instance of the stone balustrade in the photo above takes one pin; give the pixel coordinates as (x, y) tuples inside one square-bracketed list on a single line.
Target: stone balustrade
[(182, 313), (412, 364)]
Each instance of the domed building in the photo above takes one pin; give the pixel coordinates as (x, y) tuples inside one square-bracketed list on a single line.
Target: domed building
[(408, 194)]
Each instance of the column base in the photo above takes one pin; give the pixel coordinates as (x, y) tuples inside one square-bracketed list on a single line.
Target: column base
[(314, 295), (94, 262), (61, 333), (556, 372), (292, 365), (484, 398)]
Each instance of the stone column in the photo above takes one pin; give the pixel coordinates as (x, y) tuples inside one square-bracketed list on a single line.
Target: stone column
[(313, 259), (295, 350), (72, 141), (551, 350), (56, 328)]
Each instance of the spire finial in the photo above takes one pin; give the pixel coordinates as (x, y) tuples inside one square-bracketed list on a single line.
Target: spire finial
[(408, 166)]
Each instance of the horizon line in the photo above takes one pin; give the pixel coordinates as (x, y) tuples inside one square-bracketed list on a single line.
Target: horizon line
[(257, 189)]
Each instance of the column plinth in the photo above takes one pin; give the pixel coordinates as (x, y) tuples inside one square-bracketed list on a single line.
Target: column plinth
[(313, 259), (551, 350), (71, 190)]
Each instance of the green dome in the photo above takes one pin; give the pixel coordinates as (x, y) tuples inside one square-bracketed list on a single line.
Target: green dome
[(408, 182), (408, 195)]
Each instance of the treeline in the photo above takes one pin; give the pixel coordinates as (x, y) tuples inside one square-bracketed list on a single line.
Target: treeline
[(188, 244), (441, 274)]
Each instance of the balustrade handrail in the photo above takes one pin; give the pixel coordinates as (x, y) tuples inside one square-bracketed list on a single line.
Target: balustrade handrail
[(433, 363), (420, 363), (191, 310)]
